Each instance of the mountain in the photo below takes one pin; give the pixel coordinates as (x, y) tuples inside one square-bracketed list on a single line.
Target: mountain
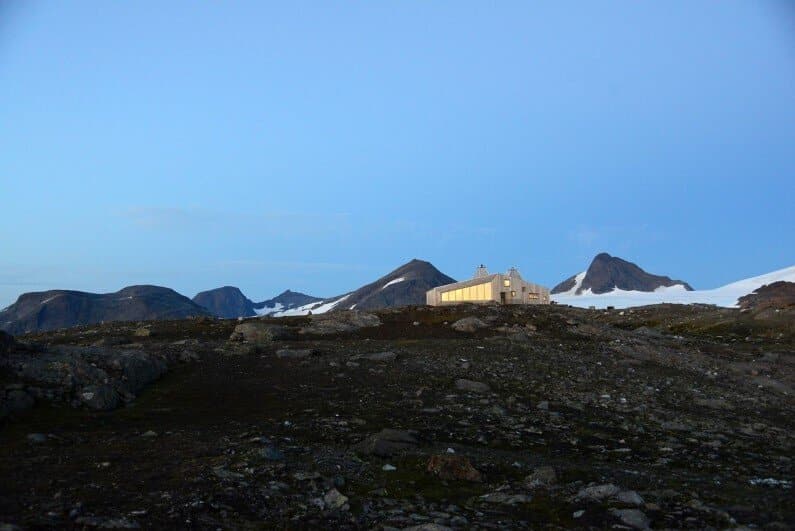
[(607, 273), (49, 310), (227, 302), (404, 286), (727, 296), (287, 300), (777, 295)]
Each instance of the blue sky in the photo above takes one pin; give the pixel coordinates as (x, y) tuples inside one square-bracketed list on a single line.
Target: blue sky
[(316, 146)]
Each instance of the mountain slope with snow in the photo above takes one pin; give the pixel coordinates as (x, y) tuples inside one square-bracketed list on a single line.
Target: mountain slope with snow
[(284, 302), (404, 286), (725, 296), (607, 273)]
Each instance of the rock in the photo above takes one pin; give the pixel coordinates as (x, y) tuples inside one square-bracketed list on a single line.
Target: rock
[(712, 403), (257, 333), (271, 453), (503, 498), (149, 434), (142, 332), (630, 497), (335, 500), (598, 492), (427, 527), (543, 405), (388, 442), (106, 523), (338, 322), (37, 438), (388, 468), (138, 369), (293, 353), (453, 467), (227, 474), (15, 400), (472, 386), (380, 356), (101, 397), (468, 325), (632, 517), (544, 476)]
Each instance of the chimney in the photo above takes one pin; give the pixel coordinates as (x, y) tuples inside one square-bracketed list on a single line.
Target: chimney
[(481, 271)]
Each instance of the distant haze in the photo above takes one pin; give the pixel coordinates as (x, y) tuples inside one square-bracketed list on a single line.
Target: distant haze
[(316, 146)]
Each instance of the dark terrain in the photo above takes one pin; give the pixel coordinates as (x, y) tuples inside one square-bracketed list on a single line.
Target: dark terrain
[(545, 417)]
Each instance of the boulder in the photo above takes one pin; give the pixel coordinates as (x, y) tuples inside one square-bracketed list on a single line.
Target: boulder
[(629, 497), (542, 477), (339, 322), (139, 370), (472, 386), (388, 442), (453, 467), (468, 324), (335, 500), (598, 492), (257, 332), (503, 498), (293, 353), (631, 517), (100, 397), (15, 400), (379, 356)]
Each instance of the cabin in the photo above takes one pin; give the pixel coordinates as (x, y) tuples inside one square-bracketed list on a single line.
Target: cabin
[(508, 288)]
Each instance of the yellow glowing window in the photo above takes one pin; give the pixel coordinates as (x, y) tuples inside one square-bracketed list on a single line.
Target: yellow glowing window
[(506, 283)]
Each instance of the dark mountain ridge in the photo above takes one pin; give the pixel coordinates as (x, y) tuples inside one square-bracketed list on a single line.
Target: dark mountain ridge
[(607, 273), (285, 300), (227, 302), (404, 286), (53, 309)]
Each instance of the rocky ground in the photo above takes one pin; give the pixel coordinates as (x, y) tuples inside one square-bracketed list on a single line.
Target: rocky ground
[(465, 417)]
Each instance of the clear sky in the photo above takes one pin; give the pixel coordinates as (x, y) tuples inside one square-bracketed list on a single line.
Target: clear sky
[(318, 145)]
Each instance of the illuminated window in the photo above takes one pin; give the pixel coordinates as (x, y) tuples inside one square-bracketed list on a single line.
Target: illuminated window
[(513, 294), (506, 283), (478, 292)]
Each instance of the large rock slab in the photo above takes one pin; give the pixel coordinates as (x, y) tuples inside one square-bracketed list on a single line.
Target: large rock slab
[(388, 442), (95, 377), (468, 325), (339, 322), (453, 467), (472, 386), (257, 332)]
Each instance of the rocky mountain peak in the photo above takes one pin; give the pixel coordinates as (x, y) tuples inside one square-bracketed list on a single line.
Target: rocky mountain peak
[(227, 302), (607, 273)]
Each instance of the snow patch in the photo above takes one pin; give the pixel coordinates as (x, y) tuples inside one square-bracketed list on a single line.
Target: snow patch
[(314, 307), (268, 310), (725, 296), (45, 301), (578, 278), (395, 281)]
